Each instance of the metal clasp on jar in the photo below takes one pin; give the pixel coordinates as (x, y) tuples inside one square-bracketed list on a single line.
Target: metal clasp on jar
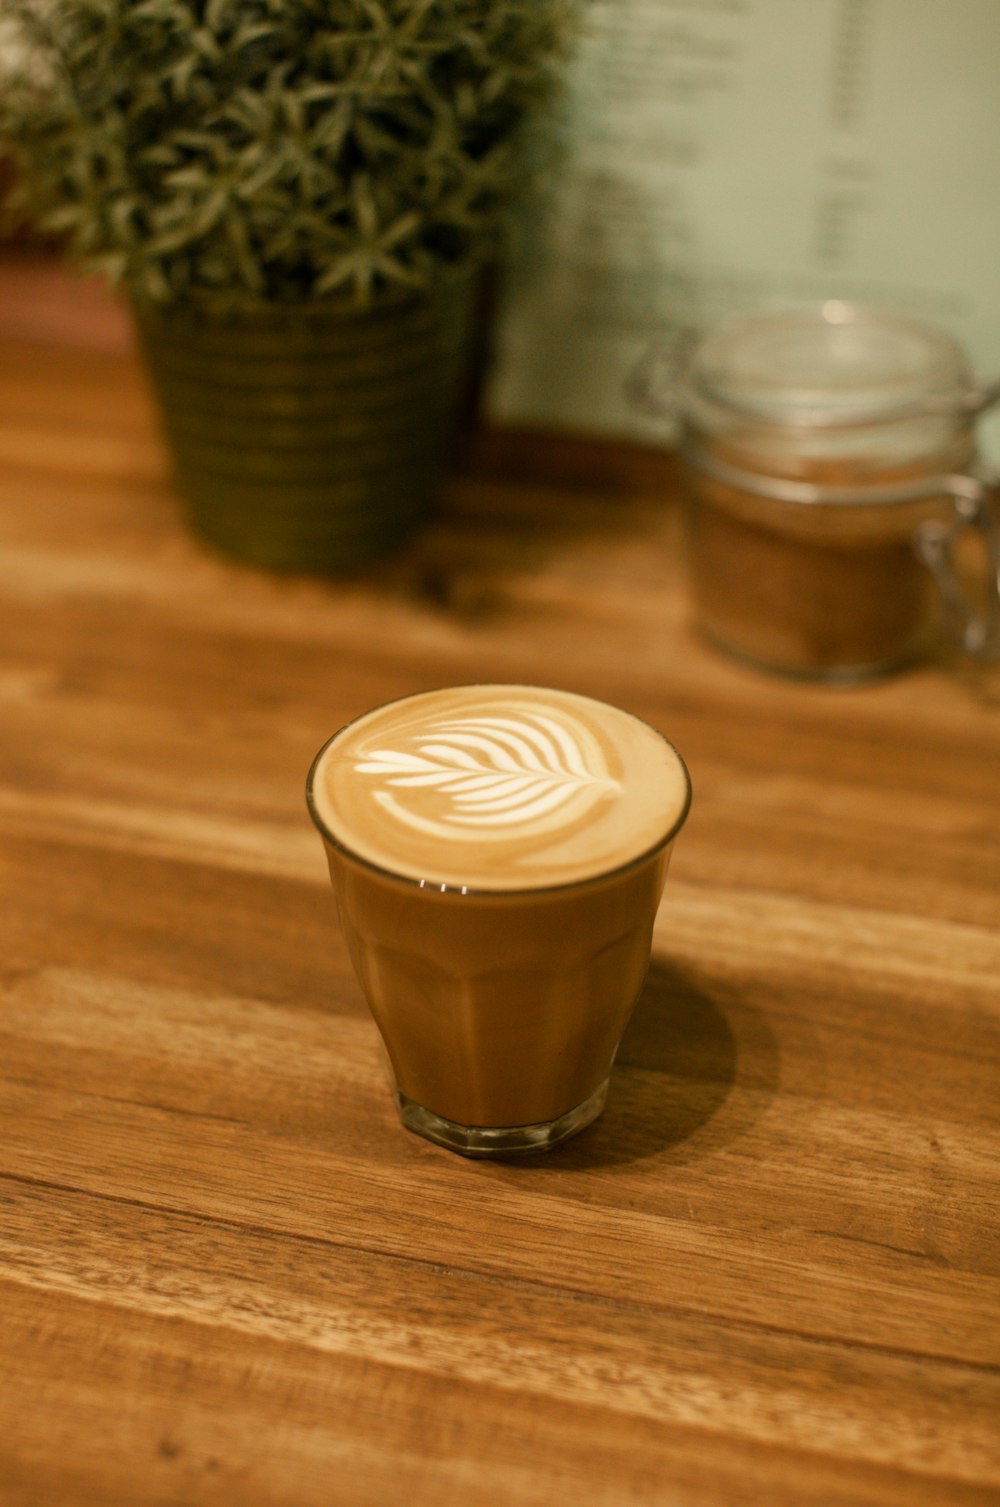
[(973, 510)]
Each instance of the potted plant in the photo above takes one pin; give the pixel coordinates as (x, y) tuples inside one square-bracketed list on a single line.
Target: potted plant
[(296, 195)]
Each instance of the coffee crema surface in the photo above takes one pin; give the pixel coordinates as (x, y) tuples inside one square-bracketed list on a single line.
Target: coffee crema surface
[(499, 787)]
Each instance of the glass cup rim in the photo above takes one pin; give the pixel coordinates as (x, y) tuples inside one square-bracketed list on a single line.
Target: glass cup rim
[(433, 887)]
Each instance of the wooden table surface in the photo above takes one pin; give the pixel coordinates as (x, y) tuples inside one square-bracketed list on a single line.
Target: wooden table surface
[(768, 1275)]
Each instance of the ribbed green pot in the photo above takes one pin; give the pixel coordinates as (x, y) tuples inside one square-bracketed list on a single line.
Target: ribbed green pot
[(309, 437)]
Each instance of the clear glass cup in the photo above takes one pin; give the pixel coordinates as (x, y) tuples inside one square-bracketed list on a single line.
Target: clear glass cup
[(501, 1009), (831, 478)]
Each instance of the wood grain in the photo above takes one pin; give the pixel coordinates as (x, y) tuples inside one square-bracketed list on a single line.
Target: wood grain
[(769, 1275)]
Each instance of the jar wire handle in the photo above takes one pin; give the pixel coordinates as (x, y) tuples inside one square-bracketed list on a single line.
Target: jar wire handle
[(974, 509), (980, 394), (652, 386)]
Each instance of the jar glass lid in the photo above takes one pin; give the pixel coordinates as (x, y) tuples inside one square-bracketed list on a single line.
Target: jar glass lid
[(834, 363)]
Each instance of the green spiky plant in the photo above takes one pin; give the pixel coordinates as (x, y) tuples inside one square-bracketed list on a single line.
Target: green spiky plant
[(276, 151), (294, 193)]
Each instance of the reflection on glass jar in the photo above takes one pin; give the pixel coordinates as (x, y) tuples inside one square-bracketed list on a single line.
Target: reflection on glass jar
[(830, 456)]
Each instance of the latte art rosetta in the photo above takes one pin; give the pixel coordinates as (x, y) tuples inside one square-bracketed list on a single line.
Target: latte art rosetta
[(487, 776), (497, 788)]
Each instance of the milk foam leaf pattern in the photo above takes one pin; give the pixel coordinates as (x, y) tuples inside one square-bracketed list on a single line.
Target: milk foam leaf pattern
[(494, 772)]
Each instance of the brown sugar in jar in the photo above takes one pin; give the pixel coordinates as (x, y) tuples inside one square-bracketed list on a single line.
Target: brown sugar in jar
[(840, 593), (827, 451)]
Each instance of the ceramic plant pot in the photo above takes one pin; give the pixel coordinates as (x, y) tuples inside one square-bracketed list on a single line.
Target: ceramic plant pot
[(309, 437)]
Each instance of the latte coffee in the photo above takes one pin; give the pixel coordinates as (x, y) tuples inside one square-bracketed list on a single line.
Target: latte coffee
[(498, 855)]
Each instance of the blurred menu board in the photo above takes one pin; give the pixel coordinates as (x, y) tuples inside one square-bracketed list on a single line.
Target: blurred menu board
[(723, 155)]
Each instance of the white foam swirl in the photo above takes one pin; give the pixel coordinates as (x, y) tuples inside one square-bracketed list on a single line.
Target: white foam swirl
[(493, 775)]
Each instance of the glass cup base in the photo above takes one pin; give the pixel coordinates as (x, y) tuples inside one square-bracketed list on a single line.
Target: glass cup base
[(501, 1140)]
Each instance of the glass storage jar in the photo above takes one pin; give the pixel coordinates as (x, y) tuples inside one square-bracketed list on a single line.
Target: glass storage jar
[(831, 467)]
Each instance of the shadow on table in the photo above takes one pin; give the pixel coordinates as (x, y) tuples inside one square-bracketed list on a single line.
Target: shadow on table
[(698, 1065), (521, 502)]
